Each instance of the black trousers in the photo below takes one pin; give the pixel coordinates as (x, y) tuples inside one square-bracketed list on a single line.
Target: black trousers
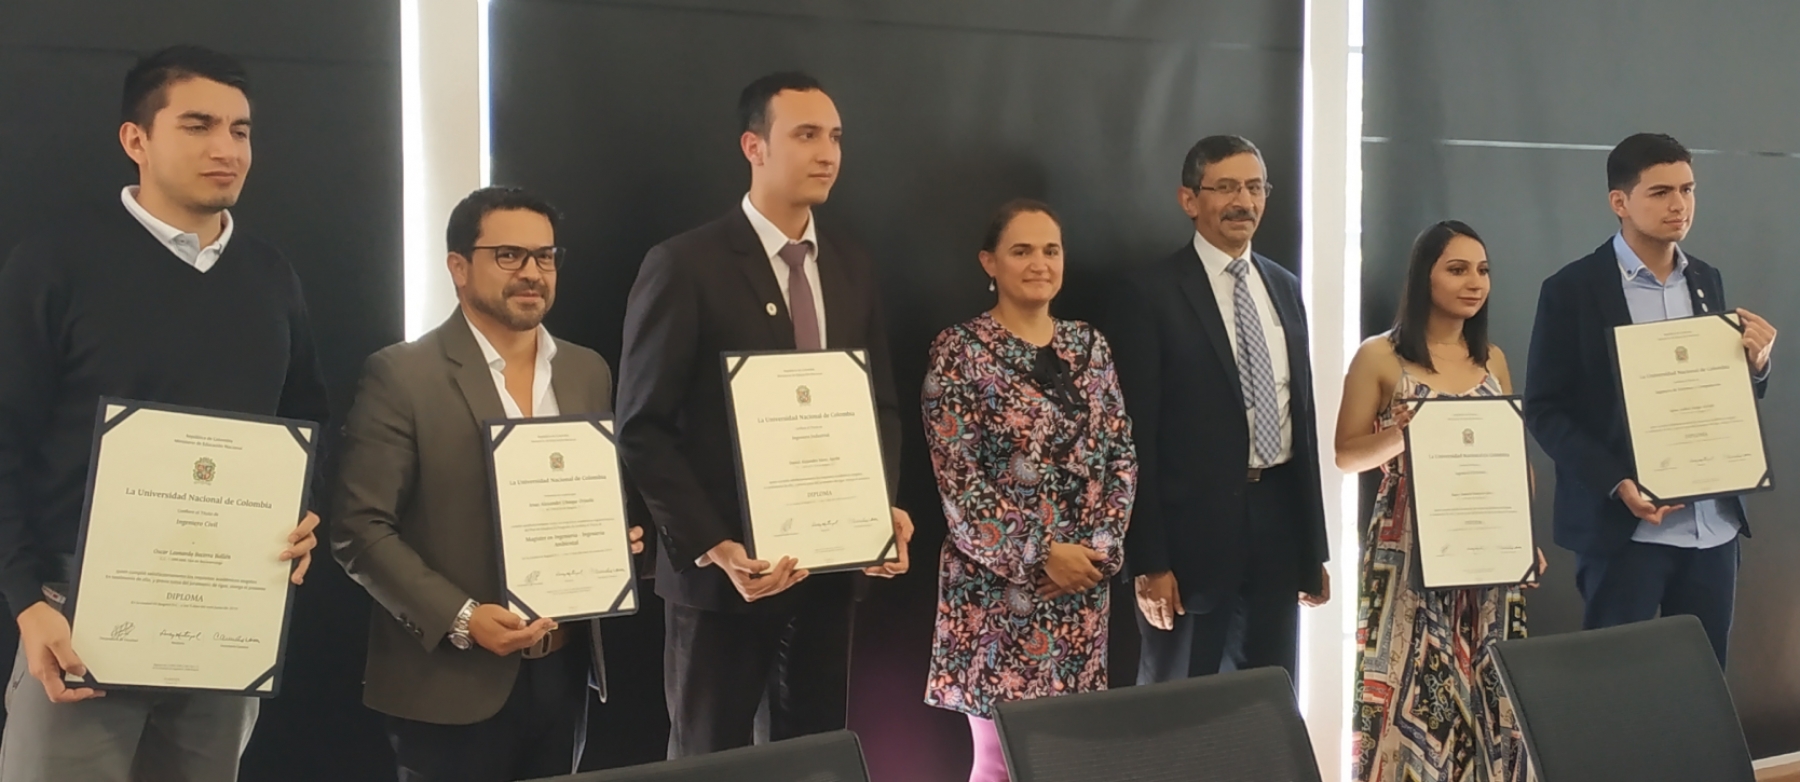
[(730, 678), (1644, 579), (539, 732), (1255, 625)]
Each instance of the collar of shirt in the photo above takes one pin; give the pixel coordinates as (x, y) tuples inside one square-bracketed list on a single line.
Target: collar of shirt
[(540, 380), (184, 245), (1630, 265), (772, 238), (1214, 258)]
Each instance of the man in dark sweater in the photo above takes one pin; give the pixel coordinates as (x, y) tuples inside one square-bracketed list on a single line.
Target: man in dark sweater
[(158, 298)]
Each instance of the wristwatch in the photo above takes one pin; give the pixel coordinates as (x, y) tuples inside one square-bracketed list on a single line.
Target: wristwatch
[(459, 629)]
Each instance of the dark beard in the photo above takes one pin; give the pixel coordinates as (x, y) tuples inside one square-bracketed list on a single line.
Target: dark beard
[(517, 321)]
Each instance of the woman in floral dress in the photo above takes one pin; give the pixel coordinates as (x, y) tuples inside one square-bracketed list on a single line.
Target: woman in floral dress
[(1033, 457), (1428, 704)]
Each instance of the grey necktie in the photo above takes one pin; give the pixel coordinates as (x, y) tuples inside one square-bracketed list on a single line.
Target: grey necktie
[(800, 296), (1255, 370)]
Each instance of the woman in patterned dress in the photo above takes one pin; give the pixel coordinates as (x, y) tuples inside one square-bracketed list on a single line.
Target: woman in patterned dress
[(1428, 704), (1033, 457)]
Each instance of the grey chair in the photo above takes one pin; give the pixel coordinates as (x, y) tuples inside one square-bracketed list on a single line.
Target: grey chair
[(1645, 702), (1232, 727), (827, 757)]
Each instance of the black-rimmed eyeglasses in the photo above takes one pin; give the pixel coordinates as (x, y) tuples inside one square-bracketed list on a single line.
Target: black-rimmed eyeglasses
[(511, 257)]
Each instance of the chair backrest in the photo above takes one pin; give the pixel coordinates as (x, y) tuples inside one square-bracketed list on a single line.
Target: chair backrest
[(1233, 727), (1645, 702), (827, 757)]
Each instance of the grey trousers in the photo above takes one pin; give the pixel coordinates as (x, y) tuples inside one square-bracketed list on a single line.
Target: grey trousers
[(123, 737)]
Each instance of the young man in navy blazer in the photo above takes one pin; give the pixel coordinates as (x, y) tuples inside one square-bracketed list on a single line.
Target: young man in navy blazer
[(1634, 558)]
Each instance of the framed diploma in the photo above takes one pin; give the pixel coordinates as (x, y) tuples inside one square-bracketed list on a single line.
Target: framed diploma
[(177, 583), (1470, 492), (559, 518), (1690, 409), (809, 459)]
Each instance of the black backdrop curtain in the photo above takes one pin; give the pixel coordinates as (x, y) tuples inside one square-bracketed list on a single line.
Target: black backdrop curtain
[(324, 187), (1501, 115), (623, 113)]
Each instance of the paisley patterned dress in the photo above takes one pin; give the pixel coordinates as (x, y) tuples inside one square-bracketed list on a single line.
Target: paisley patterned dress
[(1429, 706), (1022, 463)]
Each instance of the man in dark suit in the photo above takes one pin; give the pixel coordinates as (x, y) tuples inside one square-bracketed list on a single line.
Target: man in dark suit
[(1634, 557), (473, 692), (762, 277), (1228, 536)]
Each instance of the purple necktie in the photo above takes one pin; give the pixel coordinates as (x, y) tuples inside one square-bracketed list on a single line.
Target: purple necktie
[(800, 297)]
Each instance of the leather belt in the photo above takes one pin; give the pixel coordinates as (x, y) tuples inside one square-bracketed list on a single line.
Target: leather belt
[(548, 645), (1255, 474)]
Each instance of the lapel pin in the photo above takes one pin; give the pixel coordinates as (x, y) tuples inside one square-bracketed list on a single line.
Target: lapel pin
[(771, 308)]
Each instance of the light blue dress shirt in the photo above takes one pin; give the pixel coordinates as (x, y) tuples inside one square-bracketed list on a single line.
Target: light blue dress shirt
[(1703, 524)]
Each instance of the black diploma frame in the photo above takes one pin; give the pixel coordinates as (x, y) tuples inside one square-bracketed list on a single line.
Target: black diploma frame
[(111, 413), (733, 365), (495, 434)]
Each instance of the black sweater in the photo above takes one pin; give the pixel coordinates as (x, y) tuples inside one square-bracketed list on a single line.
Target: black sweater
[(97, 306)]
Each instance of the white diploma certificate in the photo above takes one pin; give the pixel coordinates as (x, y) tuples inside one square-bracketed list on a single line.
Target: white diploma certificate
[(809, 459), (1471, 492), (559, 511), (178, 583), (1690, 409)]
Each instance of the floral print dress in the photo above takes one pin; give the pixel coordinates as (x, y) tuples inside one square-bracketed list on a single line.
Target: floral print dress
[(1429, 705), (1021, 463)]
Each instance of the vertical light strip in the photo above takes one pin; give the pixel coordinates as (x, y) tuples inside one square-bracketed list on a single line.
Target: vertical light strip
[(415, 235), (1330, 273), (482, 86), (1351, 285), (443, 76)]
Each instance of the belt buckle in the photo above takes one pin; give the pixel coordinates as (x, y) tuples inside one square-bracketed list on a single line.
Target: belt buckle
[(1254, 475), (544, 645)]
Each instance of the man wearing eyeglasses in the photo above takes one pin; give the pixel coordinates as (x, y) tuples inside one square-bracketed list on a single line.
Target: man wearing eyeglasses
[(1228, 535), (472, 692)]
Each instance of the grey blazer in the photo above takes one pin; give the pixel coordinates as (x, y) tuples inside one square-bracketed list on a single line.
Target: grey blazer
[(414, 525)]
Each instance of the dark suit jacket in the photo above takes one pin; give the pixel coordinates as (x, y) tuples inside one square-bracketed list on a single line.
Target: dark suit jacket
[(1572, 404), (415, 526), (700, 294), (1180, 379)]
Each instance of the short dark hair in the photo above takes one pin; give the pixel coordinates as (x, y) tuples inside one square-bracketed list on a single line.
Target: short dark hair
[(1210, 150), (1003, 217), (1410, 323), (147, 83), (1626, 164), (753, 102), (465, 219)]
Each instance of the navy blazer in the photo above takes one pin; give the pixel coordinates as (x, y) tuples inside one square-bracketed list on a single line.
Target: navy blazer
[(1572, 403), (1180, 380)]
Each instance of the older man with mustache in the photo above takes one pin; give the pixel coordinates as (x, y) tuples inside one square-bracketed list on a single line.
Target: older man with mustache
[(1228, 535)]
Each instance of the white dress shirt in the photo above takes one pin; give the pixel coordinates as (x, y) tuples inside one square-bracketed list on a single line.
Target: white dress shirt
[(772, 241), (185, 246), (543, 396), (1224, 285)]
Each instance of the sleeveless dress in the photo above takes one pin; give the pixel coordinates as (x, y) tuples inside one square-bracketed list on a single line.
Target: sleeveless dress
[(1429, 705)]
